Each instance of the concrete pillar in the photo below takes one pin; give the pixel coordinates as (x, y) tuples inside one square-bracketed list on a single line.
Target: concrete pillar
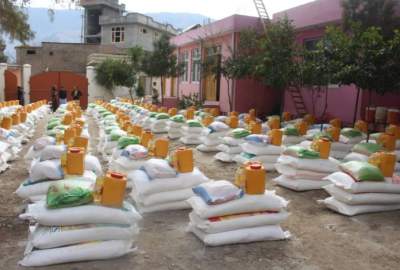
[(26, 76), (95, 91), (3, 68)]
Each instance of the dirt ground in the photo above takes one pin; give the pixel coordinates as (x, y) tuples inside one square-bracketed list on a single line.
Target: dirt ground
[(320, 239)]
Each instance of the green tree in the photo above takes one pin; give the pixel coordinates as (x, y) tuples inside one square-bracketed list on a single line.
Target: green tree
[(279, 55), (377, 13), (162, 61)]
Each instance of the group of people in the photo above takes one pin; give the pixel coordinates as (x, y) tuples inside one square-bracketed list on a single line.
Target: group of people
[(60, 96)]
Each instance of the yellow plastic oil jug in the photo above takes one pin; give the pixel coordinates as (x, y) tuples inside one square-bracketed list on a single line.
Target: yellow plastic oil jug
[(232, 121), (207, 120), (334, 132), (323, 146), (136, 130), (215, 111), (113, 189), (15, 119), (189, 114), (361, 126), (81, 142), (336, 123), (394, 130), (286, 116), (388, 141), (274, 123), (310, 119), (159, 148), (69, 134), (233, 113), (147, 136), (255, 127), (251, 178), (23, 115), (67, 120), (182, 160), (6, 123), (252, 114), (276, 137), (386, 162), (302, 127), (172, 111), (75, 163)]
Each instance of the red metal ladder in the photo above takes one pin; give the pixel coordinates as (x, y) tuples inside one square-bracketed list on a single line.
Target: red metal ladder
[(298, 101)]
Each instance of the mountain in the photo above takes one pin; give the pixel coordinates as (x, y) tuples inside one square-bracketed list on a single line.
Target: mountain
[(67, 24)]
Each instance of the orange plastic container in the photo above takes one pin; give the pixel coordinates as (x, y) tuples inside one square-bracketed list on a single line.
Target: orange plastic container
[(233, 121), (388, 141), (172, 111), (233, 113), (274, 123), (136, 130), (147, 136), (29, 108), (81, 142), (255, 127), (215, 111), (75, 163), (15, 119), (302, 127), (182, 160), (286, 116), (309, 118), (335, 133), (23, 115), (336, 123), (276, 137), (207, 120), (386, 162), (160, 148), (254, 175), (78, 129), (253, 114), (394, 130), (323, 146), (361, 126), (69, 134), (113, 190), (6, 123), (67, 120), (80, 121), (189, 114)]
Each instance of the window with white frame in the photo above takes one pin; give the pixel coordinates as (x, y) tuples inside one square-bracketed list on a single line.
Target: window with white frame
[(196, 65), (118, 34), (184, 58)]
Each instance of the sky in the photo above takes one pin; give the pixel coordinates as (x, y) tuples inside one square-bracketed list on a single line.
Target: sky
[(215, 9)]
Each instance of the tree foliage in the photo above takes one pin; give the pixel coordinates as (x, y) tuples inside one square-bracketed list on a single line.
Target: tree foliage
[(371, 13)]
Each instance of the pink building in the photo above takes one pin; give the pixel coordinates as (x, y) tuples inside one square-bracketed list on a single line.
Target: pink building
[(216, 41), (311, 20)]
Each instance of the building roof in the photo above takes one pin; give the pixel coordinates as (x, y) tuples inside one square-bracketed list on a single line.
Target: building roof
[(231, 24), (318, 12)]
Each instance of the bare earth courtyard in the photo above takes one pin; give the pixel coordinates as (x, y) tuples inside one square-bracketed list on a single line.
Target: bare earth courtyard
[(320, 239)]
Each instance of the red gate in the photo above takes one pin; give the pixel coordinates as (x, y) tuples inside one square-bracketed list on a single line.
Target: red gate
[(11, 83), (41, 85)]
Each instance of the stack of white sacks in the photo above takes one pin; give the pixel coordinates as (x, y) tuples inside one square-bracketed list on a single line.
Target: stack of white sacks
[(159, 187), (230, 146), (192, 132), (359, 188), (222, 215), (302, 169), (212, 136), (159, 124), (292, 136), (175, 125), (259, 148), (83, 231), (128, 156)]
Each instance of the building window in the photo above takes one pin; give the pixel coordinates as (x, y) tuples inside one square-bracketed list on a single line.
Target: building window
[(143, 30), (118, 34), (184, 58), (30, 52), (196, 65), (310, 44), (156, 34)]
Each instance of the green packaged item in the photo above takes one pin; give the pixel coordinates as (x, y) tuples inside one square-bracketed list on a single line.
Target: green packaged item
[(162, 116), (351, 133), (91, 105), (153, 115), (301, 152), (116, 134), (367, 148), (375, 136), (247, 155), (291, 131), (323, 135), (109, 129), (124, 141), (67, 194), (178, 119), (362, 171), (239, 133), (51, 133), (193, 123), (53, 124)]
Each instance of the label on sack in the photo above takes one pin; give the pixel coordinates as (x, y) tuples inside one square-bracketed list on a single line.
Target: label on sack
[(230, 217)]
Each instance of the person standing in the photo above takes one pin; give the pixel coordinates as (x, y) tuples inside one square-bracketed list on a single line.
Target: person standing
[(62, 95), (20, 94), (76, 94), (54, 99)]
